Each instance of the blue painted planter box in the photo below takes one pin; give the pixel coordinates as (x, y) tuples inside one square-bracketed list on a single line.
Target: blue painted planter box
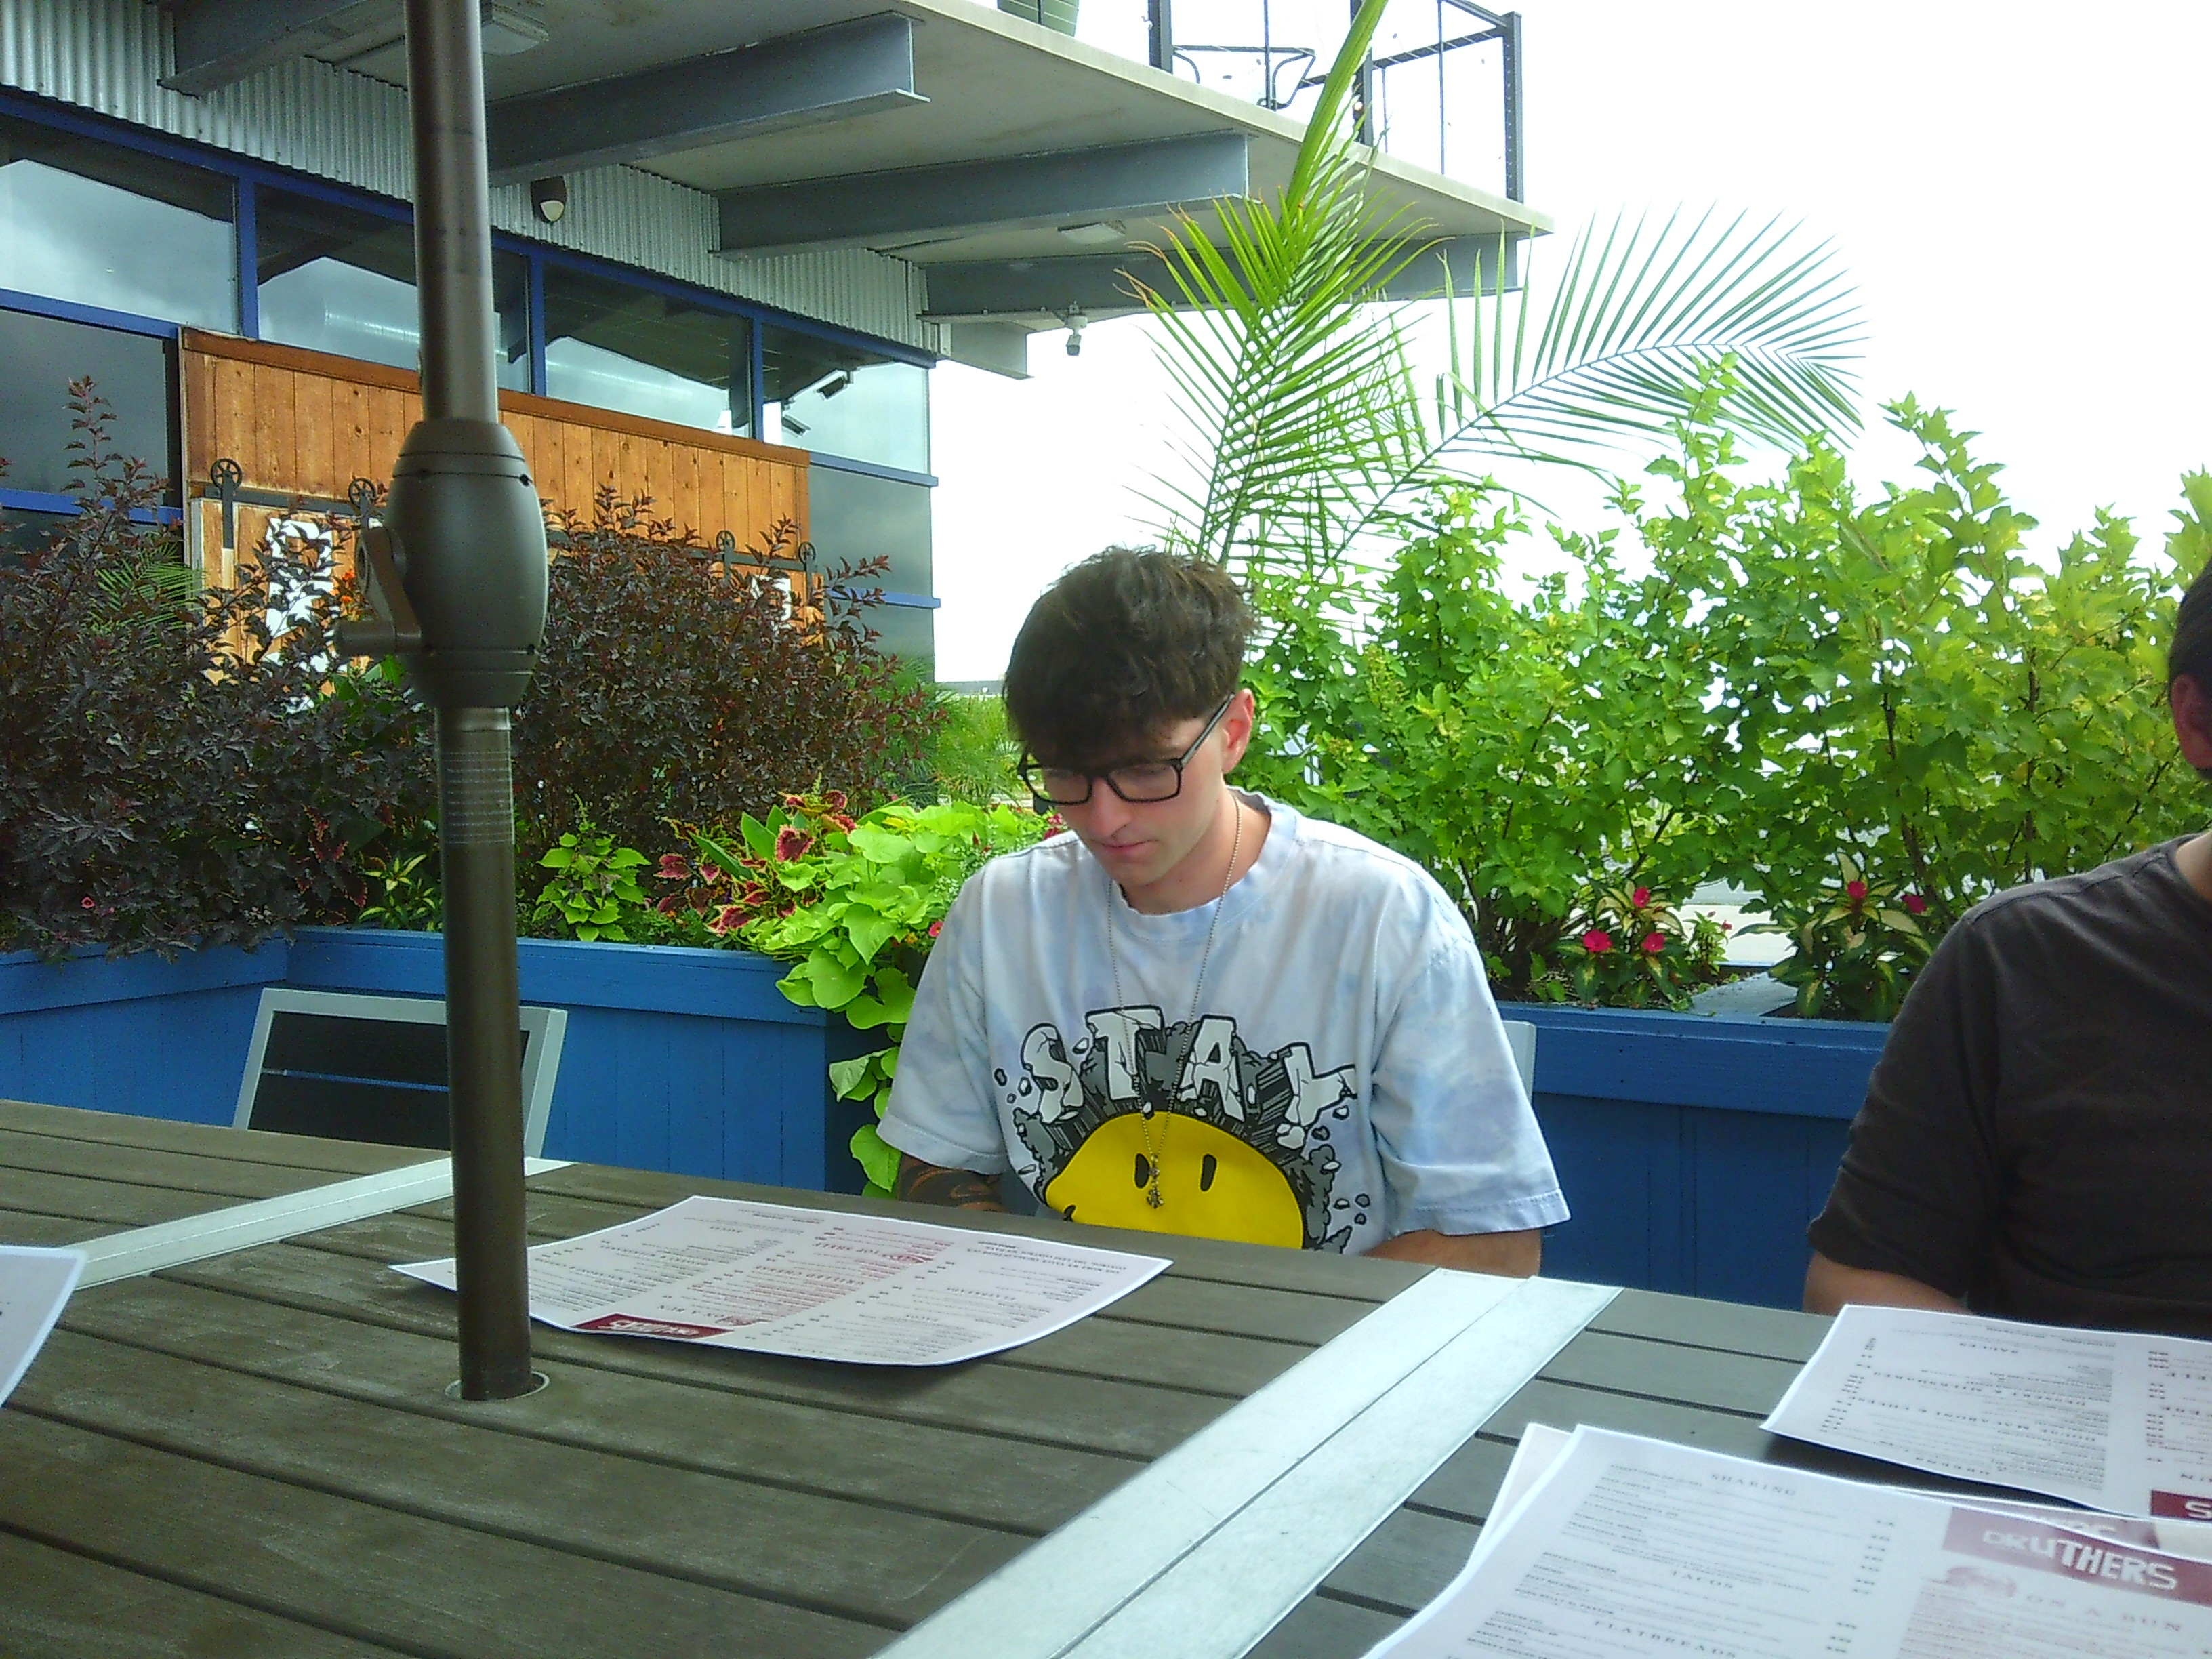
[(685, 1060), (1693, 1150)]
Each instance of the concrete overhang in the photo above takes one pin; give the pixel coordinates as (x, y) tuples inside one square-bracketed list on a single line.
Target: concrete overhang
[(997, 116)]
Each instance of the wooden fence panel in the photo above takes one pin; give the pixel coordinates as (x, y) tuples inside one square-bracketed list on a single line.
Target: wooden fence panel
[(303, 423)]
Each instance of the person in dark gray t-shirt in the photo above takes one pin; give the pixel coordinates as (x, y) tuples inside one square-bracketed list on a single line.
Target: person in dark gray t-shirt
[(2037, 1139)]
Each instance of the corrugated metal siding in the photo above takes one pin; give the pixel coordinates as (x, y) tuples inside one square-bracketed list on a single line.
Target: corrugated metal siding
[(109, 56)]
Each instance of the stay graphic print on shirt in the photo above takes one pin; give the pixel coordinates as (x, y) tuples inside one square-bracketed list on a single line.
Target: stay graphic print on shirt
[(1239, 1142)]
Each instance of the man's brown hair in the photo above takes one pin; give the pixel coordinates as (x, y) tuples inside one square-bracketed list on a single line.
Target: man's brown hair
[(1129, 642)]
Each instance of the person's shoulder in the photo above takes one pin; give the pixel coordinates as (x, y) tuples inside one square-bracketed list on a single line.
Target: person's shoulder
[(2141, 881), (1027, 870), (1343, 860)]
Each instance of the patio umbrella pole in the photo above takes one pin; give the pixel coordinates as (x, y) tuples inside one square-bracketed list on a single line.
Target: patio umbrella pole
[(469, 538)]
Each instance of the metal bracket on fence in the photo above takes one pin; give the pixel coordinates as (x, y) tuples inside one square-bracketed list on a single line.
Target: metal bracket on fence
[(363, 494), (224, 478)]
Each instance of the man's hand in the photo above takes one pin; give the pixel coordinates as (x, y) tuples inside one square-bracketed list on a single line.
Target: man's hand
[(1829, 1284), (1515, 1255), (955, 1190)]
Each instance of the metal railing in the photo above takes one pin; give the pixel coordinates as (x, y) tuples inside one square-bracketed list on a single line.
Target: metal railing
[(1442, 86)]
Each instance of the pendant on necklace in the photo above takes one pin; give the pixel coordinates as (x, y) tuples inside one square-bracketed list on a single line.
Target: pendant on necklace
[(1153, 1194)]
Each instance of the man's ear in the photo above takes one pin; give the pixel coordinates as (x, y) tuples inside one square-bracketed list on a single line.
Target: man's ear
[(1236, 728), (2191, 701)]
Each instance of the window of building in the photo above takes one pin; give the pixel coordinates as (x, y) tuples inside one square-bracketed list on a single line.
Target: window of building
[(336, 279), (851, 516), (616, 345), (99, 225), (43, 355), (840, 399)]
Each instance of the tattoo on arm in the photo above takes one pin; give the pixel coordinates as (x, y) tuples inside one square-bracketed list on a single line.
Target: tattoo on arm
[(958, 1189)]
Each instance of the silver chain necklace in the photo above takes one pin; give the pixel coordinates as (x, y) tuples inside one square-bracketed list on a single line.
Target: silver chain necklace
[(1152, 1194)]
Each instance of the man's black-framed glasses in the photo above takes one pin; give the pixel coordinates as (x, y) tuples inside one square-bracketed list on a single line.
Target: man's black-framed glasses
[(1139, 782)]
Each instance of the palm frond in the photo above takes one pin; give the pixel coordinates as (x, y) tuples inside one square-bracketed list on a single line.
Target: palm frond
[(1299, 424)]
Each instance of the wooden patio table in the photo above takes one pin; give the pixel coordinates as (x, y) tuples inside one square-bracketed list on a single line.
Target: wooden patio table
[(255, 1453)]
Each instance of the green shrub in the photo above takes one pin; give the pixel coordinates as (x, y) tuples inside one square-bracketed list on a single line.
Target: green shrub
[(179, 766), (1798, 677), (671, 688), (853, 905)]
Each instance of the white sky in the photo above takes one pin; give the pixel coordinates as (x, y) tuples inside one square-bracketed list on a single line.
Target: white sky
[(2016, 188)]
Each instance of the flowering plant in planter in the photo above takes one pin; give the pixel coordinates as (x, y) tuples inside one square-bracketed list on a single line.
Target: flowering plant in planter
[(853, 904), (1630, 949), (1858, 942)]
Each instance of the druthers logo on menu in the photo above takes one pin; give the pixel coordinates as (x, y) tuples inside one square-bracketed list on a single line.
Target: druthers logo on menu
[(631, 1325), (2180, 1506), (2070, 1555)]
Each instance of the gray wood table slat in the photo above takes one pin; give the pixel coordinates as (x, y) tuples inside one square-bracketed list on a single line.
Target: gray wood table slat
[(885, 1565), (1087, 1414), (61, 1606), (286, 1404), (354, 1568), (96, 1206), (26, 1227), (312, 1153), (955, 1473), (196, 1178)]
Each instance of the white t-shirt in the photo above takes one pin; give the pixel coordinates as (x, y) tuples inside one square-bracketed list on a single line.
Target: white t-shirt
[(1345, 1078)]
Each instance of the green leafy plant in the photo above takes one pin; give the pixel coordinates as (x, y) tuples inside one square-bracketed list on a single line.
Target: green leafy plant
[(853, 905), (1796, 667), (594, 893), (1855, 945), (1630, 949)]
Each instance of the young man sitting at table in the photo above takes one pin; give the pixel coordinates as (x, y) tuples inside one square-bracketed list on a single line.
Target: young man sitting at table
[(1199, 1012), (2036, 1141)]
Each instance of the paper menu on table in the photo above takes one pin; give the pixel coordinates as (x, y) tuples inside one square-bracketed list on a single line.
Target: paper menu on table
[(1628, 1546), (34, 1287), (817, 1285), (2117, 1420)]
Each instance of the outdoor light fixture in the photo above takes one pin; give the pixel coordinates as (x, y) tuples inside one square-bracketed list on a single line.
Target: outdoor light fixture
[(1074, 319), (1100, 235), (549, 198)]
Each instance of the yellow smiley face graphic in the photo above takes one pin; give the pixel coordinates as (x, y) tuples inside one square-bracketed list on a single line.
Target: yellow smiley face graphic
[(1211, 1184)]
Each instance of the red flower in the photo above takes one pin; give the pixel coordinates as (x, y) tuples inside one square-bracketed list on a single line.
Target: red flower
[(1654, 944), (1640, 897), (1597, 941), (1055, 824), (792, 842), (89, 904), (1915, 905), (1856, 891), (674, 866), (935, 928)]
